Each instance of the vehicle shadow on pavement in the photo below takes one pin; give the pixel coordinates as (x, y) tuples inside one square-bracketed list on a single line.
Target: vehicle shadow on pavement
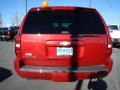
[(98, 84), (4, 74), (79, 84)]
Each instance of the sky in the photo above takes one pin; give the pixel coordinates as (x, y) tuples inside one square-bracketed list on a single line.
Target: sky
[(109, 9)]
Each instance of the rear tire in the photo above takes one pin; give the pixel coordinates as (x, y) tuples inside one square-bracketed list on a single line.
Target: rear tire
[(118, 45), (7, 39), (2, 39), (114, 45)]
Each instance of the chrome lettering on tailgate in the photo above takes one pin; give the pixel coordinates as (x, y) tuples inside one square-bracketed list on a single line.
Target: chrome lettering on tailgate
[(64, 51)]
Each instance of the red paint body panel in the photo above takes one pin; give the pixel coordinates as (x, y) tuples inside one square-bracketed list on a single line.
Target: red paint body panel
[(46, 52), (41, 50)]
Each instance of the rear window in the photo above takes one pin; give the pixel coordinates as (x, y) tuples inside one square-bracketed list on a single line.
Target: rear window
[(63, 22)]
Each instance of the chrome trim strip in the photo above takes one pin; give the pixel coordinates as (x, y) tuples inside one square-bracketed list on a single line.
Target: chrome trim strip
[(40, 69)]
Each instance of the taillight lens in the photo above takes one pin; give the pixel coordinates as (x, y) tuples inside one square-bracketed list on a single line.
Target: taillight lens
[(109, 46), (18, 45), (8, 33)]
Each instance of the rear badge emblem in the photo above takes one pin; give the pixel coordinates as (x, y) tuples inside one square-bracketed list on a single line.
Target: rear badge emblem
[(65, 43)]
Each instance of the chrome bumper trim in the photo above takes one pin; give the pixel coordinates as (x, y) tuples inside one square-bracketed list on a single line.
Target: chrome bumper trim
[(40, 69)]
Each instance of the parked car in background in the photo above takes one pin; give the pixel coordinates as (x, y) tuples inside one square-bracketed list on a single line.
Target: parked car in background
[(8, 33), (62, 43), (15, 30), (115, 34), (4, 35)]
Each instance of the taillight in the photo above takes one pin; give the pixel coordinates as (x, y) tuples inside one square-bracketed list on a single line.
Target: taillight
[(109, 45), (18, 45), (8, 33)]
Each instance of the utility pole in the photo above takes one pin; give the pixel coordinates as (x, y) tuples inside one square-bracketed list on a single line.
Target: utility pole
[(26, 5), (119, 19), (19, 11), (1, 20), (90, 3), (110, 3)]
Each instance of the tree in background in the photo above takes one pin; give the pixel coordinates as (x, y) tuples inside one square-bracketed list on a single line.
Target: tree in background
[(15, 19), (1, 20)]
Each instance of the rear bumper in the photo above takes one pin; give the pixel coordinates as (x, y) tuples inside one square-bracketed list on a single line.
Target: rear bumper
[(44, 69), (62, 74)]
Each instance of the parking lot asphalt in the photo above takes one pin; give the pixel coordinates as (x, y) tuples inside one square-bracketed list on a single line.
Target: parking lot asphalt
[(9, 80)]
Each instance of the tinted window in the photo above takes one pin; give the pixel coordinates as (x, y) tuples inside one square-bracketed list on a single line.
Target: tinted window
[(57, 22), (114, 27), (4, 29), (15, 28)]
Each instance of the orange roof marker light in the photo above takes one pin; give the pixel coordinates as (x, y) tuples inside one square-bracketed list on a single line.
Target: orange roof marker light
[(45, 3)]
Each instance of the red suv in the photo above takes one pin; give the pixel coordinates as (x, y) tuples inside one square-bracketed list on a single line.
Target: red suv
[(63, 43)]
